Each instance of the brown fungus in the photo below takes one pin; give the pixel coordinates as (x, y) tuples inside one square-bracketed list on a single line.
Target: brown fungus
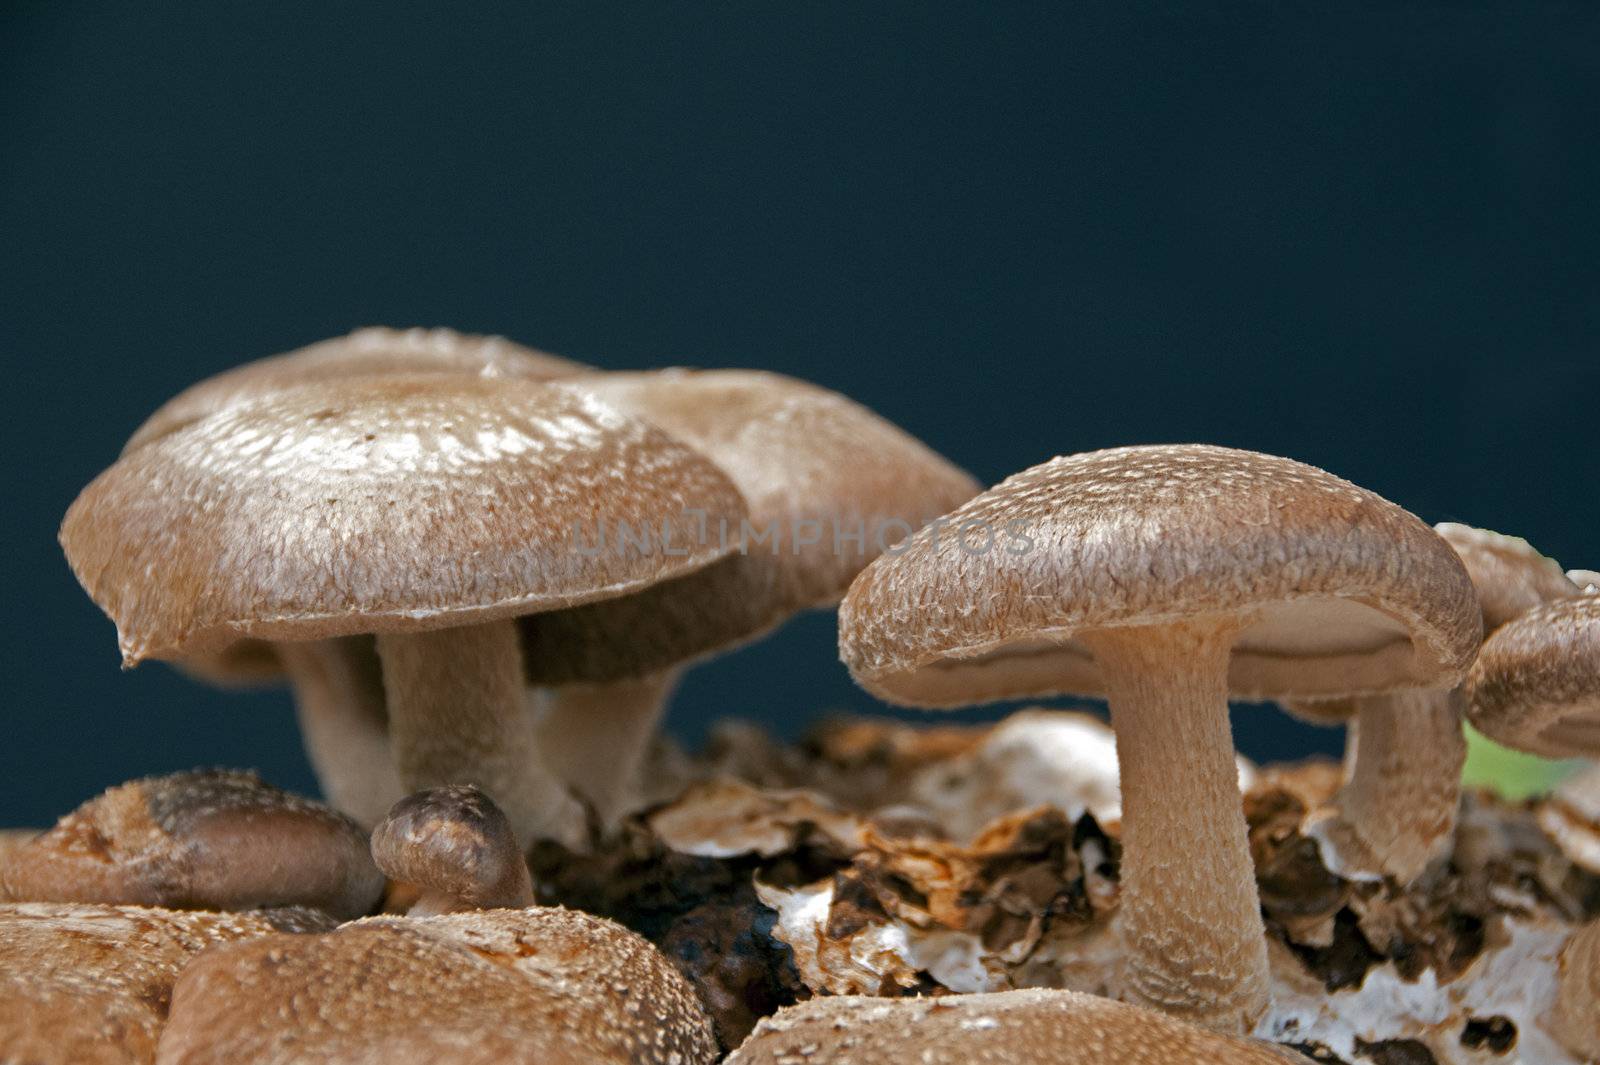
[(90, 984), (1039, 1027), (1166, 578), (455, 846), (1536, 684), (207, 839), (510, 987), (829, 485), (431, 510)]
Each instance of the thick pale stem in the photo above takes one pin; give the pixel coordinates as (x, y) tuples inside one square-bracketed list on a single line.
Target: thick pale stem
[(1404, 786), (514, 891), (338, 696), (1189, 909), (456, 717), (597, 735)]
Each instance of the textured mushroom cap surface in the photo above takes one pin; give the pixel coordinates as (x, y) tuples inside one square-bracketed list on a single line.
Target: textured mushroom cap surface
[(1036, 1027), (366, 351), (453, 840), (1536, 683), (1340, 590), (396, 503), (828, 480), (541, 986), (89, 985), (207, 839), (1510, 576)]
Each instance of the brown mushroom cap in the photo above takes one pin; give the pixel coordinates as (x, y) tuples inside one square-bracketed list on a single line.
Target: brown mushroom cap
[(396, 503), (207, 839), (539, 986), (1510, 576), (1341, 590), (456, 846), (1035, 1027), (1536, 684), (829, 480), (365, 351), (89, 985)]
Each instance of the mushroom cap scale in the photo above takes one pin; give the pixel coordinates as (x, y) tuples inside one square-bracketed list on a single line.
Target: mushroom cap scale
[(1536, 683), (1339, 590), (827, 481), (541, 986), (1033, 1027), (89, 984), (375, 349), (385, 504)]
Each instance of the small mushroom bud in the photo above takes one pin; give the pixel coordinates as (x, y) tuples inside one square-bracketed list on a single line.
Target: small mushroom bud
[(457, 847), (206, 839)]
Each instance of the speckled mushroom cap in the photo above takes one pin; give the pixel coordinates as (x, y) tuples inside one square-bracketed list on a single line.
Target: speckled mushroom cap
[(1536, 684), (538, 986), (89, 985), (1035, 1027), (384, 504), (1341, 590), (207, 839), (365, 351), (831, 481)]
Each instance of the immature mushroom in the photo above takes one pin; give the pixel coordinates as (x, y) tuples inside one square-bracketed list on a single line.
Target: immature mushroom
[(1536, 684), (1397, 811), (456, 846), (537, 986), (1034, 1027), (337, 683), (375, 349), (1574, 1019), (829, 484), (1165, 578), (431, 510), (206, 839), (89, 984)]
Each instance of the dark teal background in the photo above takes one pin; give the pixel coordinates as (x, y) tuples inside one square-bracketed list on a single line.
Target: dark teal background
[(1363, 235)]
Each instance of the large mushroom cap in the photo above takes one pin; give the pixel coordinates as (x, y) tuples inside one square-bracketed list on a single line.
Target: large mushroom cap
[(1536, 683), (206, 839), (1510, 575), (89, 985), (1341, 590), (1036, 1027), (390, 503), (829, 484), (365, 351), (537, 986)]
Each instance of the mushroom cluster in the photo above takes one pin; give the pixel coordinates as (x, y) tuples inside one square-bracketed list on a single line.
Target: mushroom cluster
[(481, 570)]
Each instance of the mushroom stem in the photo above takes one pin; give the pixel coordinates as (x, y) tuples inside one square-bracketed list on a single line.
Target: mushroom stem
[(599, 735), (1189, 910), (456, 717), (338, 697), (1574, 1019), (1397, 811)]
